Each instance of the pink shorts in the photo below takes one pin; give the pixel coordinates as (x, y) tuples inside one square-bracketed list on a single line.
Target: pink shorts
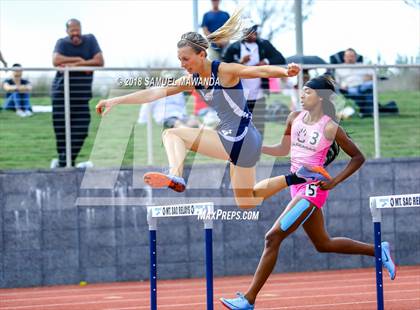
[(310, 192)]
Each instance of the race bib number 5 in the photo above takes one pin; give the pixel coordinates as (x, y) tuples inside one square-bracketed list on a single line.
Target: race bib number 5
[(310, 190)]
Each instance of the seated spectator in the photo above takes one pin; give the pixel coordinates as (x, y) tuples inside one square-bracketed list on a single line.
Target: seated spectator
[(338, 58), (170, 112), (357, 84), (17, 93)]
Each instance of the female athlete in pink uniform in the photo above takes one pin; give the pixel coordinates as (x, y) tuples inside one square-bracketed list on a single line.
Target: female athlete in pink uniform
[(313, 138)]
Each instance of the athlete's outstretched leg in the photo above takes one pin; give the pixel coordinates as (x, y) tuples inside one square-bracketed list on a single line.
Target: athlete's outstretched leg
[(177, 141), (270, 186), (315, 228), (248, 195)]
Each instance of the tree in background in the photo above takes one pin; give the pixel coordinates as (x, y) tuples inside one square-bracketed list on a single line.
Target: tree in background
[(414, 3), (275, 16)]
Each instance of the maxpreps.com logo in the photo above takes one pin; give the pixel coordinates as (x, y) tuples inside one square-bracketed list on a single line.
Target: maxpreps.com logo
[(225, 215)]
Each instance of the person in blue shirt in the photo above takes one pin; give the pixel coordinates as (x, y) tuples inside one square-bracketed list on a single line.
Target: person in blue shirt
[(235, 139), (75, 50), (212, 21), (18, 93)]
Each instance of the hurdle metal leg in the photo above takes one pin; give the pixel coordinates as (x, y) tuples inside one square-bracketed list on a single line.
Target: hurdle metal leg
[(376, 219), (153, 260), (209, 267), (378, 262), (378, 203), (153, 270)]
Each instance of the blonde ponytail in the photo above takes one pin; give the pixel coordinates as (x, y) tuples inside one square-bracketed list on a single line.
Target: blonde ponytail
[(231, 29)]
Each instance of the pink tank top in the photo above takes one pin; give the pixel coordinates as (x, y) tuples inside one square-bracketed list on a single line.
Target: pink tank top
[(309, 146)]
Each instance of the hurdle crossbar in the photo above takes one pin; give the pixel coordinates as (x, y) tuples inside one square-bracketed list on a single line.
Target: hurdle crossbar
[(195, 209), (376, 205)]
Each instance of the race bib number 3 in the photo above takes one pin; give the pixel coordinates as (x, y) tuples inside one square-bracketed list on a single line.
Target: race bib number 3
[(310, 190)]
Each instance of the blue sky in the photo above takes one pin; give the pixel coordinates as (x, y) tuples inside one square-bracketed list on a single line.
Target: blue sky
[(134, 33)]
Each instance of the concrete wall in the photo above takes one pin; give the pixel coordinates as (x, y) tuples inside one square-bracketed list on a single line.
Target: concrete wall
[(46, 239)]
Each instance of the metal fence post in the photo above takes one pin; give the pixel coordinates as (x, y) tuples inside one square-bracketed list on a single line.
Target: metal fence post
[(67, 116), (376, 115), (149, 134), (297, 94), (208, 233)]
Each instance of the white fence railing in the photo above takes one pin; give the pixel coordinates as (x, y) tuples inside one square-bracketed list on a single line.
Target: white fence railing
[(111, 82)]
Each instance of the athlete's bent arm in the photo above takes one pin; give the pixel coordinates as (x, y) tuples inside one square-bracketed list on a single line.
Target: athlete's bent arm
[(351, 149), (61, 60)]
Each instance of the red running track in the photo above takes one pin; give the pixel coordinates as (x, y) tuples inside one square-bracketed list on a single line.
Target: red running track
[(353, 289)]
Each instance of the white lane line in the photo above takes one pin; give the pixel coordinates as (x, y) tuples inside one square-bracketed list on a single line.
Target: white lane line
[(232, 284), (275, 277)]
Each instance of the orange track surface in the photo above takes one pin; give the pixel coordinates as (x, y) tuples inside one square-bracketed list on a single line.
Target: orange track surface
[(325, 290)]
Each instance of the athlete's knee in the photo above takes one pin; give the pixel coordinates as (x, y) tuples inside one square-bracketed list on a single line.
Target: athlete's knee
[(167, 133), (323, 247), (272, 240)]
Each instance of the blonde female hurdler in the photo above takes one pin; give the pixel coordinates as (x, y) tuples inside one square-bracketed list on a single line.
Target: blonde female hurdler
[(235, 139)]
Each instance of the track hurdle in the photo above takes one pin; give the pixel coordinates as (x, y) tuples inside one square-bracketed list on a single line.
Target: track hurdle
[(376, 205), (194, 209)]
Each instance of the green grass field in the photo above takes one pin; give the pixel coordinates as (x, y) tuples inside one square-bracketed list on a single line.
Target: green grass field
[(30, 143)]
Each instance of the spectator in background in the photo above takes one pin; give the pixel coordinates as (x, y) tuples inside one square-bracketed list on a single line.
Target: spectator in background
[(357, 84), (213, 20), (18, 93), (254, 51), (2, 60), (75, 50), (170, 112), (200, 106)]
